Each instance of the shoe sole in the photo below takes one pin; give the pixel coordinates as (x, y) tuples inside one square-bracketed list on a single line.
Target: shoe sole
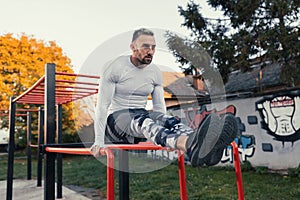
[(229, 133), (200, 143)]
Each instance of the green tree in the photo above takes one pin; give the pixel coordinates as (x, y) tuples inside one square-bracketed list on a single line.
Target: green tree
[(250, 32), (195, 61)]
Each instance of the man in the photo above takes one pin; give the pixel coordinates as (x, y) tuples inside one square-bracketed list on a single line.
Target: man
[(120, 112)]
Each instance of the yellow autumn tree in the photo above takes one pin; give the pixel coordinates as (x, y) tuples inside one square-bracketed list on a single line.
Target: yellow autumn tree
[(22, 61)]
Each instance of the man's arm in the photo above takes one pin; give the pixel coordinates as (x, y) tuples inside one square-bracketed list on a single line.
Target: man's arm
[(158, 100), (105, 94)]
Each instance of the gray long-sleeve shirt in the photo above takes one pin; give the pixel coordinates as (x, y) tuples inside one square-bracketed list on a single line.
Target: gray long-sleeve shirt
[(122, 86)]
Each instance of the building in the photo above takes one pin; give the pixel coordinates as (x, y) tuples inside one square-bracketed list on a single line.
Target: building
[(267, 111)]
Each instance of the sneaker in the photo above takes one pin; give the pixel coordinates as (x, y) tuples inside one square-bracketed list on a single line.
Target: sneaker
[(228, 134), (175, 126), (181, 129), (204, 140)]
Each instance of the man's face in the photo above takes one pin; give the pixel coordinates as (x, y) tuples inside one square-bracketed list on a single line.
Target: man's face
[(143, 49)]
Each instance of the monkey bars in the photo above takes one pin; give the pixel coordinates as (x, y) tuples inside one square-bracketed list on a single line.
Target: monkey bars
[(51, 91), (65, 90)]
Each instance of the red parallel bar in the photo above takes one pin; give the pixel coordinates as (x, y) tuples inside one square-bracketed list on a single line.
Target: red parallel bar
[(84, 93), (22, 110), (239, 181), (71, 90), (27, 110), (89, 94), (32, 94), (79, 75), (75, 82), (40, 97), (73, 86), (86, 151), (64, 91), (31, 98), (63, 94), (18, 115), (110, 162), (39, 89), (30, 102), (36, 92), (139, 146), (81, 151)]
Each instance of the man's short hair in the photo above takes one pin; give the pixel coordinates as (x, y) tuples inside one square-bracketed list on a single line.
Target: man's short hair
[(141, 31)]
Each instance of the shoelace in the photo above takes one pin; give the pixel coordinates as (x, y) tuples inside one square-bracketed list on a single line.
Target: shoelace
[(181, 129)]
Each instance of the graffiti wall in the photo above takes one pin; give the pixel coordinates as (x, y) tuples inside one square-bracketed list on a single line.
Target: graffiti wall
[(269, 128)]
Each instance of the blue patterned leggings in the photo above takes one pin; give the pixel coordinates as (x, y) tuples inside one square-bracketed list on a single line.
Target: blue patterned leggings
[(134, 125)]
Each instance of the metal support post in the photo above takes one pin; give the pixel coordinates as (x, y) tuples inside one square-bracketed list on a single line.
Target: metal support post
[(59, 155), (40, 143), (123, 175), (29, 164), (11, 150), (50, 128)]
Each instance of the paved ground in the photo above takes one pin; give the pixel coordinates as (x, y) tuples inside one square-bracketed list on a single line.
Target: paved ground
[(26, 189)]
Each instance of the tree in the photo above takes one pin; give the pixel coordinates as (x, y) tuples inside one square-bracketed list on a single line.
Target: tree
[(22, 61), (191, 53), (251, 32)]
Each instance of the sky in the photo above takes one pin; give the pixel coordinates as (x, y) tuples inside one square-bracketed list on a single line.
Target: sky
[(80, 26)]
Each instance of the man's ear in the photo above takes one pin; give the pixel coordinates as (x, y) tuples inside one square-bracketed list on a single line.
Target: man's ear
[(132, 47)]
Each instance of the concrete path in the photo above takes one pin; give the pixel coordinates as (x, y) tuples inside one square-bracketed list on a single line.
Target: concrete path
[(27, 189)]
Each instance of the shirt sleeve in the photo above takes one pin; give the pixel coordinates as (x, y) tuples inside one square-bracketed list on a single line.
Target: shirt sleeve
[(158, 99), (105, 95)]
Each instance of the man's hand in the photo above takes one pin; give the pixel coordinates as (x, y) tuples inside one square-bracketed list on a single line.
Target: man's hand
[(95, 149)]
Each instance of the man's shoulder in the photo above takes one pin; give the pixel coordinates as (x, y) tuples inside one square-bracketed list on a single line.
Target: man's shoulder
[(123, 59), (117, 63), (154, 67)]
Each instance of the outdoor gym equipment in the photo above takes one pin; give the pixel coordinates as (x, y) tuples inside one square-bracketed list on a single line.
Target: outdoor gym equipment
[(52, 93)]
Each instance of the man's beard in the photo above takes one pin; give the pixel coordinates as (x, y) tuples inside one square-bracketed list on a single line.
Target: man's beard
[(146, 60)]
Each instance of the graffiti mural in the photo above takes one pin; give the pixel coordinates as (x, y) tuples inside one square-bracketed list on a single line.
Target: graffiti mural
[(245, 146), (195, 116), (268, 127), (281, 116), (246, 143)]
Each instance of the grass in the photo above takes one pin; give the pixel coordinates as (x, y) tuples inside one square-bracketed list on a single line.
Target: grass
[(216, 183)]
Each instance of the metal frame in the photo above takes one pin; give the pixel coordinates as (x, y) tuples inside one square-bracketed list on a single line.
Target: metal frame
[(51, 92), (108, 151), (48, 91), (11, 150)]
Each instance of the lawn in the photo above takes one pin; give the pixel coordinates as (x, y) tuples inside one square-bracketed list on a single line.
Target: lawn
[(202, 183)]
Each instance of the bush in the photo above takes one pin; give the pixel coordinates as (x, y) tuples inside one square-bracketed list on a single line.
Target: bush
[(246, 166), (70, 138), (261, 170), (294, 172)]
